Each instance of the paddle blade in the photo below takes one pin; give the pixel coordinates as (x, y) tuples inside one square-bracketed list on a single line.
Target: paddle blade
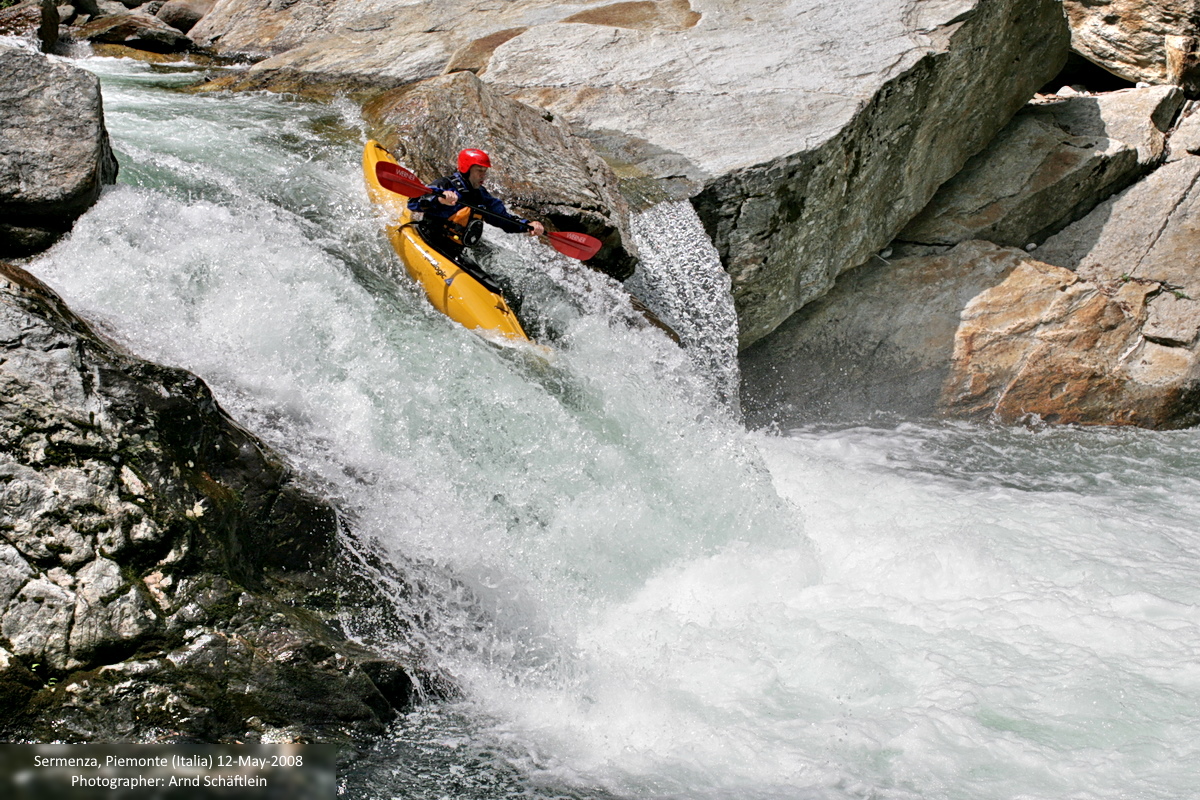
[(574, 245), (397, 179)]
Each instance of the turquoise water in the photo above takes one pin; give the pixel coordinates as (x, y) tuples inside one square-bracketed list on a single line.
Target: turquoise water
[(637, 597)]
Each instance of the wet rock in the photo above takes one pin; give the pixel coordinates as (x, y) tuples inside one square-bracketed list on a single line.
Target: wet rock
[(1051, 165), (881, 341), (1129, 37), (162, 575), (136, 30), (541, 170), (54, 150), (36, 20), (184, 14), (1052, 345)]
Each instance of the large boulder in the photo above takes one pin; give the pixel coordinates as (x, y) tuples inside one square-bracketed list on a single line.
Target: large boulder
[(1052, 164), (184, 14), (162, 573), (540, 169), (808, 134), (1107, 330), (880, 342), (1049, 344), (1140, 118), (1185, 138), (134, 29), (54, 149), (1148, 232), (814, 132), (33, 19), (987, 333), (1140, 40)]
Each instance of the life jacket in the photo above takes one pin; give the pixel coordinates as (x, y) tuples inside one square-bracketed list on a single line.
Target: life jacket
[(464, 227)]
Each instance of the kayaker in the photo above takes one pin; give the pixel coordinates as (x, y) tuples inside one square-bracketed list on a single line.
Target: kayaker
[(448, 224)]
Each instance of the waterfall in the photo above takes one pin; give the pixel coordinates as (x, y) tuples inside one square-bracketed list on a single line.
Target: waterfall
[(682, 280)]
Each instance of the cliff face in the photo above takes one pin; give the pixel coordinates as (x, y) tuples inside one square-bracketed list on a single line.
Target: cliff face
[(162, 574)]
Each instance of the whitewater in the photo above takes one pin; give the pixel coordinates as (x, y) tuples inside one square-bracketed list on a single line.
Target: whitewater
[(635, 596)]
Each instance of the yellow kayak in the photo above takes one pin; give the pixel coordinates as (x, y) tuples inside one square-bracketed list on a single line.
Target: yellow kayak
[(453, 291)]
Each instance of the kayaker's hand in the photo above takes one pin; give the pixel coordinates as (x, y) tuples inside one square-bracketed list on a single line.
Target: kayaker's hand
[(448, 197), (536, 229)]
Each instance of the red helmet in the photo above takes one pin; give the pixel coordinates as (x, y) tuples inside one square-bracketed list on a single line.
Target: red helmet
[(470, 157)]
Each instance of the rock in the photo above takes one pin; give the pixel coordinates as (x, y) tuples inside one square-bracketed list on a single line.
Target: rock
[(1128, 37), (794, 127), (33, 19), (1139, 118), (184, 14), (1147, 232), (540, 169), (54, 149), (1033, 179), (37, 623), (1103, 332), (103, 624), (1183, 62), (475, 54), (1185, 139), (1051, 165), (880, 341), (134, 29), (1173, 320), (162, 574), (806, 165), (106, 8), (399, 43), (1052, 345)]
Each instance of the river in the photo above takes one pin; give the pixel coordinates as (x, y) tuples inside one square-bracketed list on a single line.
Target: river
[(636, 596)]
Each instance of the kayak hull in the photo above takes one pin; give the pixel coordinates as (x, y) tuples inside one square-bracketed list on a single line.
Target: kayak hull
[(450, 289)]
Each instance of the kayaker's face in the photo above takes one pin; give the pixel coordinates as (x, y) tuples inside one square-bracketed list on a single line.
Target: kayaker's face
[(475, 175)]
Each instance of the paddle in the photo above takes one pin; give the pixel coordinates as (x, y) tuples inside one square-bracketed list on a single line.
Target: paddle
[(396, 178)]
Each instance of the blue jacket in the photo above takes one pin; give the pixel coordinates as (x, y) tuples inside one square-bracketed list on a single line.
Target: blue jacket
[(479, 198)]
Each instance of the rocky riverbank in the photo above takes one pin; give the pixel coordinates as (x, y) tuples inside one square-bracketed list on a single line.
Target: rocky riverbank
[(163, 576)]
